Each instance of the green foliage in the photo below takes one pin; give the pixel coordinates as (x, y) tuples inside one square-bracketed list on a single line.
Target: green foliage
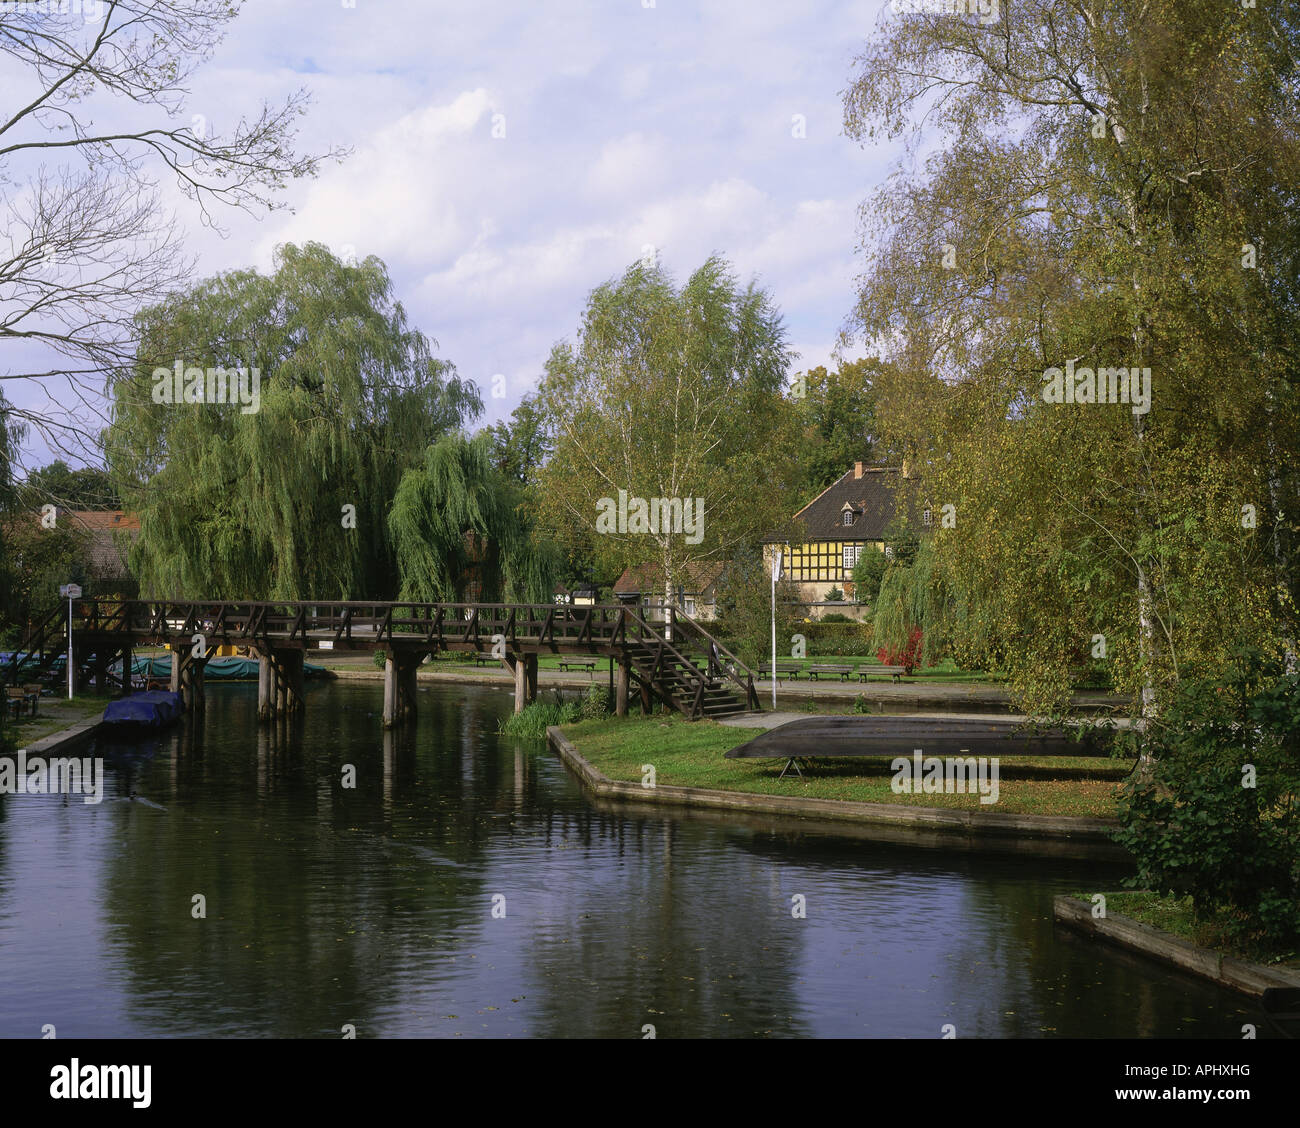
[(868, 572), (835, 596), (237, 504), (745, 610), (533, 720), (1194, 826), (835, 617), (457, 530), (86, 487), (861, 704), (1133, 243), (670, 392), (837, 413), (380, 659), (835, 640), (596, 703)]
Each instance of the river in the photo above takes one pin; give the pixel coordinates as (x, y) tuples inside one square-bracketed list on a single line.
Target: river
[(467, 887)]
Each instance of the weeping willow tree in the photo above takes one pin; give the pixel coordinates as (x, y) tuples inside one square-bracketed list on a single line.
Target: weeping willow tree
[(285, 493), (460, 530)]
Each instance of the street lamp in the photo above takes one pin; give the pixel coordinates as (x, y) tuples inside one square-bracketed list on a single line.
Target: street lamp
[(72, 591)]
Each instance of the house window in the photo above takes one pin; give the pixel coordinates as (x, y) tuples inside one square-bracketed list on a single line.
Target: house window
[(925, 517), (889, 551), (851, 554), (848, 516)]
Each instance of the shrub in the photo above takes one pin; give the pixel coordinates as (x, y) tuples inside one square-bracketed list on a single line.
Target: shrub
[(909, 656), (836, 617), (861, 704), (836, 639), (835, 596), (380, 658), (1216, 816), (596, 703)]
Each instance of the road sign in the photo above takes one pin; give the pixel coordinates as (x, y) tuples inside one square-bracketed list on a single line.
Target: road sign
[(70, 591)]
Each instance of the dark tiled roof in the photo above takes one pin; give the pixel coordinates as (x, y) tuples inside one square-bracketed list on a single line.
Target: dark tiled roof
[(648, 579), (107, 559), (873, 497)]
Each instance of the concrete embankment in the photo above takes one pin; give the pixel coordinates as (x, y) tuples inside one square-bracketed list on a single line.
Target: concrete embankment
[(1055, 835), (1237, 975)]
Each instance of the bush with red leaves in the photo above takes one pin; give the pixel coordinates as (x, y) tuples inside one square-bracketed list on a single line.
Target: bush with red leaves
[(909, 657)]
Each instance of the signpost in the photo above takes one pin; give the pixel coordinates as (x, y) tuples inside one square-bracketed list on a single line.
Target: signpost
[(776, 575), (72, 591)]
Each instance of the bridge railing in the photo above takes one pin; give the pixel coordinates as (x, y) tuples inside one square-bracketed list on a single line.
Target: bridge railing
[(732, 666), (394, 623)]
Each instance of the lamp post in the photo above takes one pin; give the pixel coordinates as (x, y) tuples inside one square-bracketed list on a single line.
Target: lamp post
[(776, 574), (72, 591)]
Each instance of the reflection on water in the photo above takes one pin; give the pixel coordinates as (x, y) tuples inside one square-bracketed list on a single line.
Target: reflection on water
[(373, 904)]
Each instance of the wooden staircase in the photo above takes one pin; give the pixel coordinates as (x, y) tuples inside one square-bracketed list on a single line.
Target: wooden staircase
[(693, 673)]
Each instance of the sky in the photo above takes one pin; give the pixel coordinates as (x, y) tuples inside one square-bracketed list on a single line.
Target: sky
[(508, 156)]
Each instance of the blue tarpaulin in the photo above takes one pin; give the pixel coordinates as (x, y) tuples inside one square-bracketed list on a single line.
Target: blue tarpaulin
[(154, 709)]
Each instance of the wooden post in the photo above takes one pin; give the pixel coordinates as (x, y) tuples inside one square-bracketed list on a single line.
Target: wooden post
[(390, 691), (521, 683), (291, 665), (128, 659), (265, 686), (198, 667), (624, 683), (530, 676), (175, 683)]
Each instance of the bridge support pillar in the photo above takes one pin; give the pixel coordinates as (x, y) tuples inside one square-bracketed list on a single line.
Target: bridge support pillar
[(128, 660), (530, 676), (521, 683), (279, 683), (187, 676), (621, 687), (400, 672), (265, 687)]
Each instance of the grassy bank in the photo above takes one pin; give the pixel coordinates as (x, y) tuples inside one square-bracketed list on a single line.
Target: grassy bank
[(54, 714), (690, 754), (1174, 915)]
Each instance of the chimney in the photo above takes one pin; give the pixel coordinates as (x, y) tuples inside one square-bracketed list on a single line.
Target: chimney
[(857, 471)]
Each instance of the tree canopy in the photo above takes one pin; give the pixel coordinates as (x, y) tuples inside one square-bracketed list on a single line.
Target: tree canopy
[(290, 500), (1103, 186), (670, 403)]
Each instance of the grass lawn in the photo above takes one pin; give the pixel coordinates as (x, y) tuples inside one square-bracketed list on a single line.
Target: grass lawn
[(54, 713), (1174, 915), (690, 754)]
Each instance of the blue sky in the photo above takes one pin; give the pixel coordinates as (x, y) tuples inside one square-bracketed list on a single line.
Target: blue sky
[(627, 124)]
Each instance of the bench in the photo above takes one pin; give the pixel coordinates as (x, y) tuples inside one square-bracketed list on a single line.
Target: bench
[(33, 690), (783, 670), (588, 664), (15, 701), (871, 668), (814, 672)]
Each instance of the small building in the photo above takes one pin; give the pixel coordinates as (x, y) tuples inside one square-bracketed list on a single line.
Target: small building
[(696, 594), (851, 513)]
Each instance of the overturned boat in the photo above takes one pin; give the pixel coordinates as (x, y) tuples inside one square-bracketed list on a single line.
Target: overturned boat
[(154, 709)]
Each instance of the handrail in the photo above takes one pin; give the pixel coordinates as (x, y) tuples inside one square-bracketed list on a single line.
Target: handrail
[(751, 694), (700, 678)]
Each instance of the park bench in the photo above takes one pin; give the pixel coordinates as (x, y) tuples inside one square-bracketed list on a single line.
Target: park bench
[(815, 672), (33, 691), (588, 664), (868, 668), (783, 670), (15, 701)]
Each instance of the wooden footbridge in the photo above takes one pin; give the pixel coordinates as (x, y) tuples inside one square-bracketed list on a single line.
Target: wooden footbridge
[(678, 663)]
